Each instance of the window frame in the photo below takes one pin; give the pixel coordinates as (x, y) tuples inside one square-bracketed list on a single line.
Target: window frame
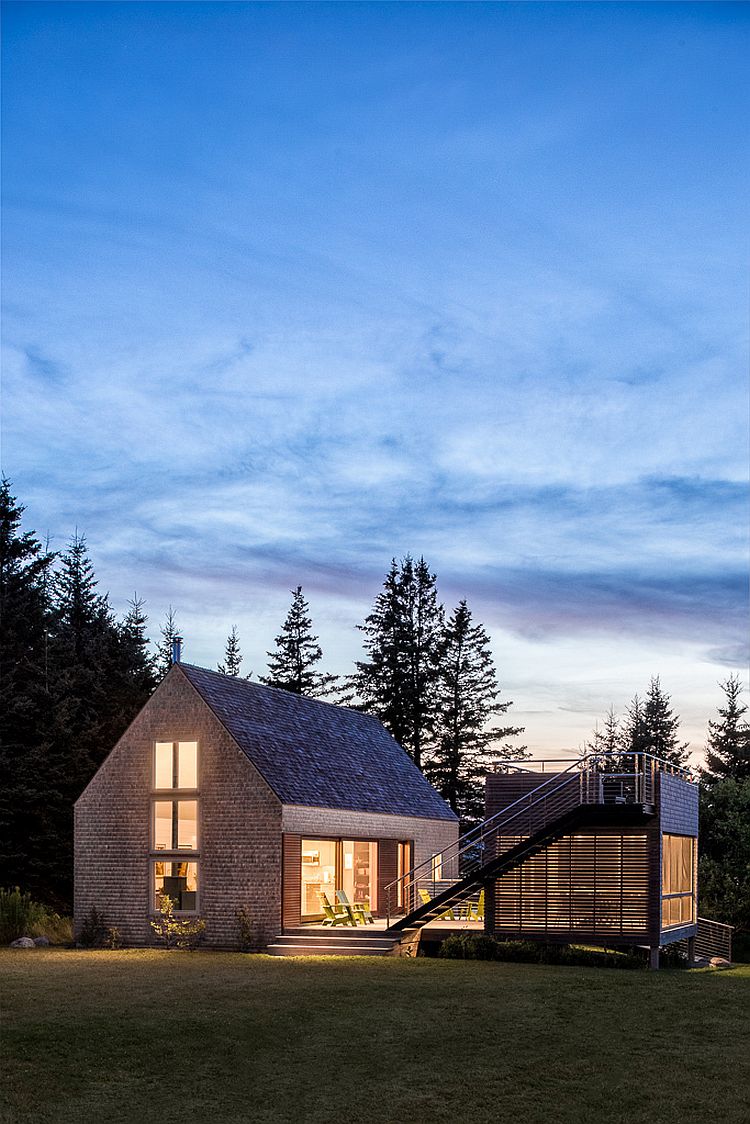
[(679, 895), (174, 795)]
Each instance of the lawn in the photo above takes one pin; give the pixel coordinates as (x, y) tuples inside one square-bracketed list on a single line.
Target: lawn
[(222, 1037)]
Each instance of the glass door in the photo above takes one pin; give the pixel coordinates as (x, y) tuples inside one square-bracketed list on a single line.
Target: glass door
[(318, 876), (359, 875)]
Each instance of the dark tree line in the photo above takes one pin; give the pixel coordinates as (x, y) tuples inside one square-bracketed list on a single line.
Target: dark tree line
[(651, 726), (431, 680), (71, 679), (73, 676)]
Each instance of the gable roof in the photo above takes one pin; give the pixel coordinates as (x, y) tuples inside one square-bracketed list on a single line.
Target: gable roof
[(315, 753)]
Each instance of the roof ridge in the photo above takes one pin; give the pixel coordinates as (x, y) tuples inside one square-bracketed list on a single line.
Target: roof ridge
[(268, 687)]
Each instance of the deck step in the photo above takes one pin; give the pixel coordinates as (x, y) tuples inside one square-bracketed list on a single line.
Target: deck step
[(326, 943)]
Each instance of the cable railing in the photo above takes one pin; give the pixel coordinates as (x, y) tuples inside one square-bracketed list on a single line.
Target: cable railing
[(605, 779)]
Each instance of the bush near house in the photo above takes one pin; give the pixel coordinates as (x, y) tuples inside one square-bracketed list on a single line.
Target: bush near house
[(21, 916), (481, 946)]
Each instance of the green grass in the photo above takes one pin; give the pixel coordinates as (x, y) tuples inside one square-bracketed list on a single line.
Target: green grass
[(222, 1038)]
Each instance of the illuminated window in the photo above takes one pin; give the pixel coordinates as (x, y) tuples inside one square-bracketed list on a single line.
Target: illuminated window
[(175, 825), (177, 880), (176, 765), (677, 880), (437, 867)]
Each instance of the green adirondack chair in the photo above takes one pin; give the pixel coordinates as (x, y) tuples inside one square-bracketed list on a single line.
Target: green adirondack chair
[(338, 915), (361, 910), (449, 915), (475, 911)]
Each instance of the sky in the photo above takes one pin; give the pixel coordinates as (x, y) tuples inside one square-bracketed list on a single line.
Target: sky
[(290, 290)]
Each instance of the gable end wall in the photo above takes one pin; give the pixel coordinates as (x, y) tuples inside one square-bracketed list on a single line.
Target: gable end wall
[(239, 826)]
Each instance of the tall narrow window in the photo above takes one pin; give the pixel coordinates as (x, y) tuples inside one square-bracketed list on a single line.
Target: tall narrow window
[(677, 880), (174, 826)]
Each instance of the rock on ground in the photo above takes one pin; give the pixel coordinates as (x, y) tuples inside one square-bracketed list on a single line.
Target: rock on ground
[(23, 942)]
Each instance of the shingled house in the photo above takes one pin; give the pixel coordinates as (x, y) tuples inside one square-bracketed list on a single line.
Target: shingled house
[(223, 793)]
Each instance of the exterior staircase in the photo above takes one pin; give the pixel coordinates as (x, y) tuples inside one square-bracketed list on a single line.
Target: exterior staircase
[(583, 794), (315, 940)]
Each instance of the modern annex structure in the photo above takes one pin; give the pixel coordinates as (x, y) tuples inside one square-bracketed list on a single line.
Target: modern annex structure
[(223, 793), (603, 852)]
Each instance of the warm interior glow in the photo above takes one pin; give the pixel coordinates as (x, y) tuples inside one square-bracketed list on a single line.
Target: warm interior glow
[(359, 877), (318, 874), (179, 881), (677, 880), (163, 766), (187, 765), (175, 825)]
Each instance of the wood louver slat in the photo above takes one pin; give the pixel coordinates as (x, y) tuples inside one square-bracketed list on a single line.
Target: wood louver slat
[(591, 883)]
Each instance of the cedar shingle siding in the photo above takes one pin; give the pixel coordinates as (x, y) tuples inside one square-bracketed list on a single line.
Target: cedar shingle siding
[(264, 757)]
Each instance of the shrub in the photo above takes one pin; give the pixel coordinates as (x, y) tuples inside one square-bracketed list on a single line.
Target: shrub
[(95, 931), (481, 946), (21, 916), (176, 932), (18, 913), (246, 928)]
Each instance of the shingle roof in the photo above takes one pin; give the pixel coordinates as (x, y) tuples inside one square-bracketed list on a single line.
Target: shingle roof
[(312, 752)]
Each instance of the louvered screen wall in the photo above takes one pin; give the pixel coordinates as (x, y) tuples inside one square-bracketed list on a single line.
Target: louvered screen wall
[(291, 894), (595, 883), (387, 871)]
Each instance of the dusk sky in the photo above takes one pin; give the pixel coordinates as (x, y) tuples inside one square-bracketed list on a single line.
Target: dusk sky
[(292, 289)]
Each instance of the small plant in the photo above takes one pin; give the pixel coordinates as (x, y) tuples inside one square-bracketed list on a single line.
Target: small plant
[(113, 939), (176, 932), (94, 932), (246, 928), (19, 913)]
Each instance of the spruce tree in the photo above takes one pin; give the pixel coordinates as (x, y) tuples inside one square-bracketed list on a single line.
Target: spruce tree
[(728, 743), (724, 845), (292, 664), (662, 726), (138, 659), (25, 623), (651, 726), (611, 738), (232, 654), (398, 681), (468, 695), (169, 632)]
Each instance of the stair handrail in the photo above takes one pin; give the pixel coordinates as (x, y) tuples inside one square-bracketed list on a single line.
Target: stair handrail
[(470, 838), (512, 811)]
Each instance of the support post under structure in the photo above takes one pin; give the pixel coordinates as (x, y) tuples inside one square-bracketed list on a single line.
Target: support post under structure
[(653, 958), (691, 950)]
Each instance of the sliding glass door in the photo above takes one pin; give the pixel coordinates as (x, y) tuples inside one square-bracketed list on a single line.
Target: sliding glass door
[(329, 865)]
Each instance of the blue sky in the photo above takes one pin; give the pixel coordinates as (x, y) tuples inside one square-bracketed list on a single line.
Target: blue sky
[(291, 289)]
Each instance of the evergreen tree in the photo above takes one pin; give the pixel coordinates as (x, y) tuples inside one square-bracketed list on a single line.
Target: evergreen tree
[(25, 622), (139, 661), (232, 654), (467, 699), (651, 726), (398, 681), (611, 738), (728, 744), (292, 664), (169, 633), (634, 733), (662, 726), (724, 843)]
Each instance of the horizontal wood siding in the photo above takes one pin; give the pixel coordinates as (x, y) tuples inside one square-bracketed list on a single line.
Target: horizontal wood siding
[(292, 881), (502, 789)]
